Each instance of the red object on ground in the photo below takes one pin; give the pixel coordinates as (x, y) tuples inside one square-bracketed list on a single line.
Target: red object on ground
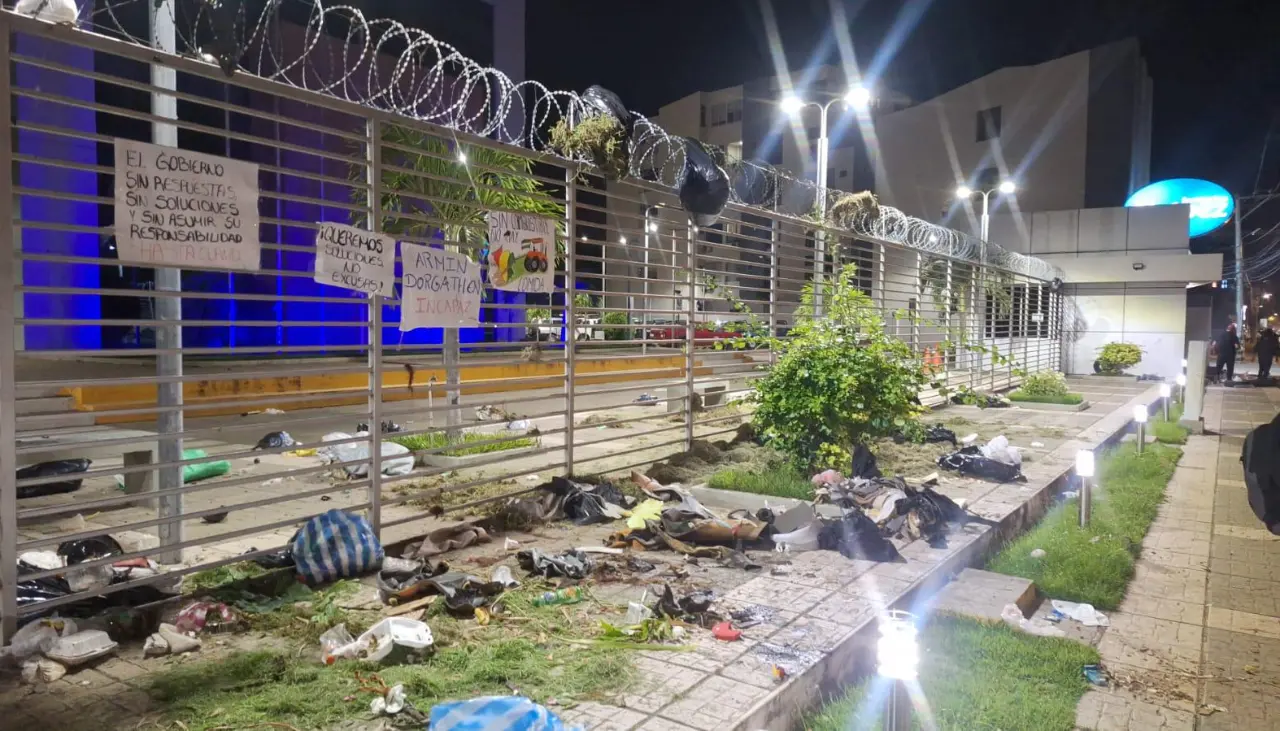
[(725, 631)]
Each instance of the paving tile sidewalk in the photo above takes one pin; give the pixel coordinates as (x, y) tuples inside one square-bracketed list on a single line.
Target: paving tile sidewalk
[(1196, 644)]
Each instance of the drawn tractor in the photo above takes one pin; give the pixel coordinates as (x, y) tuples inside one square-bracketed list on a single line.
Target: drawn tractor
[(534, 260)]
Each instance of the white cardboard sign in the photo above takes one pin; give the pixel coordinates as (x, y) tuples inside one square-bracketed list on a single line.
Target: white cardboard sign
[(522, 252), (439, 288), (355, 259), (182, 209)]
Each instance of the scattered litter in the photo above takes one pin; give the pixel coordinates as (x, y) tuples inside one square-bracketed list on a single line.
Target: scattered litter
[(648, 510), (462, 592), (510, 544), (1208, 709), (397, 640), (41, 670), (396, 459), (802, 539), (502, 575), (531, 478), (1095, 675), (276, 560), (1095, 539), (201, 616), (43, 560), (275, 440), (725, 631), (639, 565), (335, 545), (585, 504), (781, 570), (570, 564), (37, 637), (969, 439), (600, 549), (864, 463), (636, 613), (400, 583), (155, 646), (52, 469), (827, 477), (80, 648), (390, 704), (691, 607), (518, 425), (646, 399), (494, 713), (1069, 494), (214, 518), (1037, 445), (448, 539), (273, 481), (388, 427), (177, 642), (936, 434), (1251, 669), (996, 461), (338, 644), (571, 595), (855, 536), (1038, 553), (1083, 613), (1012, 616)]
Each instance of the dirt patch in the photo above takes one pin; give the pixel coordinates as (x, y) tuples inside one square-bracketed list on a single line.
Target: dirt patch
[(706, 458), (908, 459)]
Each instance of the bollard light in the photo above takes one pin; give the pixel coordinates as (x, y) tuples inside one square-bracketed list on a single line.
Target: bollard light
[(1182, 387), (1084, 469), (1166, 394), (1184, 364), (1140, 417)]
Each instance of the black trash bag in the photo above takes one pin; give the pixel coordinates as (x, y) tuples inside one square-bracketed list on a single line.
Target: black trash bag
[(88, 549), (753, 183), (969, 462), (397, 586), (463, 593), (275, 440), (692, 607), (856, 536), (34, 591), (926, 513), (52, 469), (281, 559), (1261, 460), (585, 504), (702, 184), (936, 434), (864, 463), (599, 101), (572, 564)]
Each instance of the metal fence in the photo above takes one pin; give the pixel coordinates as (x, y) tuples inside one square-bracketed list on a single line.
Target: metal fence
[(632, 357)]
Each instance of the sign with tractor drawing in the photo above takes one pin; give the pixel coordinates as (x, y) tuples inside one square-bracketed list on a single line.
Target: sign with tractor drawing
[(522, 252)]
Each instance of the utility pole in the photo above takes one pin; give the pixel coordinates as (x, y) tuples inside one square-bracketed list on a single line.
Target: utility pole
[(1239, 272)]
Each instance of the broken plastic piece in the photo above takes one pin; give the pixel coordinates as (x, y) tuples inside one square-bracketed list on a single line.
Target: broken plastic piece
[(1095, 675), (726, 632)]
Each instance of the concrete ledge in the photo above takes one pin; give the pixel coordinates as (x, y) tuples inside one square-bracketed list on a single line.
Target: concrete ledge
[(448, 462), (1040, 406)]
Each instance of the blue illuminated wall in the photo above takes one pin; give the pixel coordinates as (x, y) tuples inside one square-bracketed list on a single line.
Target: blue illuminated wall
[(35, 209)]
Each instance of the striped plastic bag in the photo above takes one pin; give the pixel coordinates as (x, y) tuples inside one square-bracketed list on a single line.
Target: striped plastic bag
[(495, 713), (335, 545)]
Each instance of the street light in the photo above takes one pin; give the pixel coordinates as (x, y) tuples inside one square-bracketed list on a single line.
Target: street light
[(1182, 386), (964, 193), (858, 97)]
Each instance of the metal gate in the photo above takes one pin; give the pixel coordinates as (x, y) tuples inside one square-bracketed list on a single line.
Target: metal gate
[(637, 352)]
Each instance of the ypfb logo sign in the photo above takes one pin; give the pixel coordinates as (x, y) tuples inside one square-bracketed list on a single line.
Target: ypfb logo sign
[(1211, 204)]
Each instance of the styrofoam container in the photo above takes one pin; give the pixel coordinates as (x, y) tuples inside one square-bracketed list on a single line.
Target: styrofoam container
[(81, 647), (396, 639)]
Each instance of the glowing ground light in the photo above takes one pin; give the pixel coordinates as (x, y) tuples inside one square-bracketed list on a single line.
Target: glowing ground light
[(897, 652)]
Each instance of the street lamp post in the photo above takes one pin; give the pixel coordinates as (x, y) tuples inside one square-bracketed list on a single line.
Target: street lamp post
[(964, 193), (858, 97)]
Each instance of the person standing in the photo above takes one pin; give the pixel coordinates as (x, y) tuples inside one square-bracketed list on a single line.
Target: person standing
[(1227, 343), (1268, 345)]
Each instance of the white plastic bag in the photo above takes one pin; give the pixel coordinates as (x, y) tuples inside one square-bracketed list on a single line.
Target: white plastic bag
[(998, 449), (337, 643), (1083, 613), (396, 459)]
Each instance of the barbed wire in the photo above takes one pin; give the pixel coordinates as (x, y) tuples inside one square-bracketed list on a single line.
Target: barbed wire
[(386, 65)]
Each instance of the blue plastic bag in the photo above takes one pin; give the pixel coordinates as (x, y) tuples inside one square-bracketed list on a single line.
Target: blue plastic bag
[(335, 545), (495, 713)]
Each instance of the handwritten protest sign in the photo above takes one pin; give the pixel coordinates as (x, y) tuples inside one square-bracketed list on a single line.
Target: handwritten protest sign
[(522, 252), (177, 208), (439, 289), (356, 259)]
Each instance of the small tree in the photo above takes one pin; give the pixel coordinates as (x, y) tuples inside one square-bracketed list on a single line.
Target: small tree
[(840, 379), (1114, 358)]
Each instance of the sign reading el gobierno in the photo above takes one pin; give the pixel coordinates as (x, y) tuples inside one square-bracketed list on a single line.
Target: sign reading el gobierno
[(355, 259), (439, 288), (181, 209)]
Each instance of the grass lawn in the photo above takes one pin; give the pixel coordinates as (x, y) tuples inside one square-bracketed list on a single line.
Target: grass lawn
[(778, 481), (1095, 564), (548, 655), (436, 440), (1169, 432), (981, 676), (1068, 399)]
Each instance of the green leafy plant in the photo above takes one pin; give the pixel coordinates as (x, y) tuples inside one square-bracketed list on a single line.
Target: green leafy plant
[(840, 379), (1045, 383), (617, 333), (600, 139), (750, 331), (538, 314), (850, 208), (583, 301), (1114, 358)]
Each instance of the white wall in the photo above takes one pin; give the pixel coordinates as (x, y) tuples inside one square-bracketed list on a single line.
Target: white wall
[(1094, 230), (1152, 316)]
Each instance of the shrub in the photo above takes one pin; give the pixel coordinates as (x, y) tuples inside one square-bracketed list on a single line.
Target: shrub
[(617, 333), (839, 380), (1048, 384), (600, 140), (1115, 357), (534, 314)]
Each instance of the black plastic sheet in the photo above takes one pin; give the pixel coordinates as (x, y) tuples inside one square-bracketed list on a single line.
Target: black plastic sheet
[(864, 463), (586, 504), (970, 462), (856, 536), (52, 469), (702, 185), (572, 564), (275, 440)]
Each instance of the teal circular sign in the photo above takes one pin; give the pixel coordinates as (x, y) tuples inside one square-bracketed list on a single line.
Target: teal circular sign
[(1211, 204)]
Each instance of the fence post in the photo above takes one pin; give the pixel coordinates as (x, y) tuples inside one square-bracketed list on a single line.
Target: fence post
[(570, 317), (374, 172), (915, 316), (168, 309), (689, 334), (774, 233), (8, 388)]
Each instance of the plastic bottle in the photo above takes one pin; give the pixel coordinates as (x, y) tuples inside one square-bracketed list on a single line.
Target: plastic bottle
[(572, 595)]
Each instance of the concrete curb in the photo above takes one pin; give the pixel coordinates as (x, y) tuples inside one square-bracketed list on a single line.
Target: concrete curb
[(1038, 406), (852, 656)]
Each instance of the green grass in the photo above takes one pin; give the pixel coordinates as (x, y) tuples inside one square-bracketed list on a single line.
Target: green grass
[(1067, 399), (541, 657), (778, 481), (983, 677), (437, 440), (213, 578), (1076, 567), (1169, 432)]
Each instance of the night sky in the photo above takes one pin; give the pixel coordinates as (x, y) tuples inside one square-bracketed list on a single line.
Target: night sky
[(1215, 66)]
